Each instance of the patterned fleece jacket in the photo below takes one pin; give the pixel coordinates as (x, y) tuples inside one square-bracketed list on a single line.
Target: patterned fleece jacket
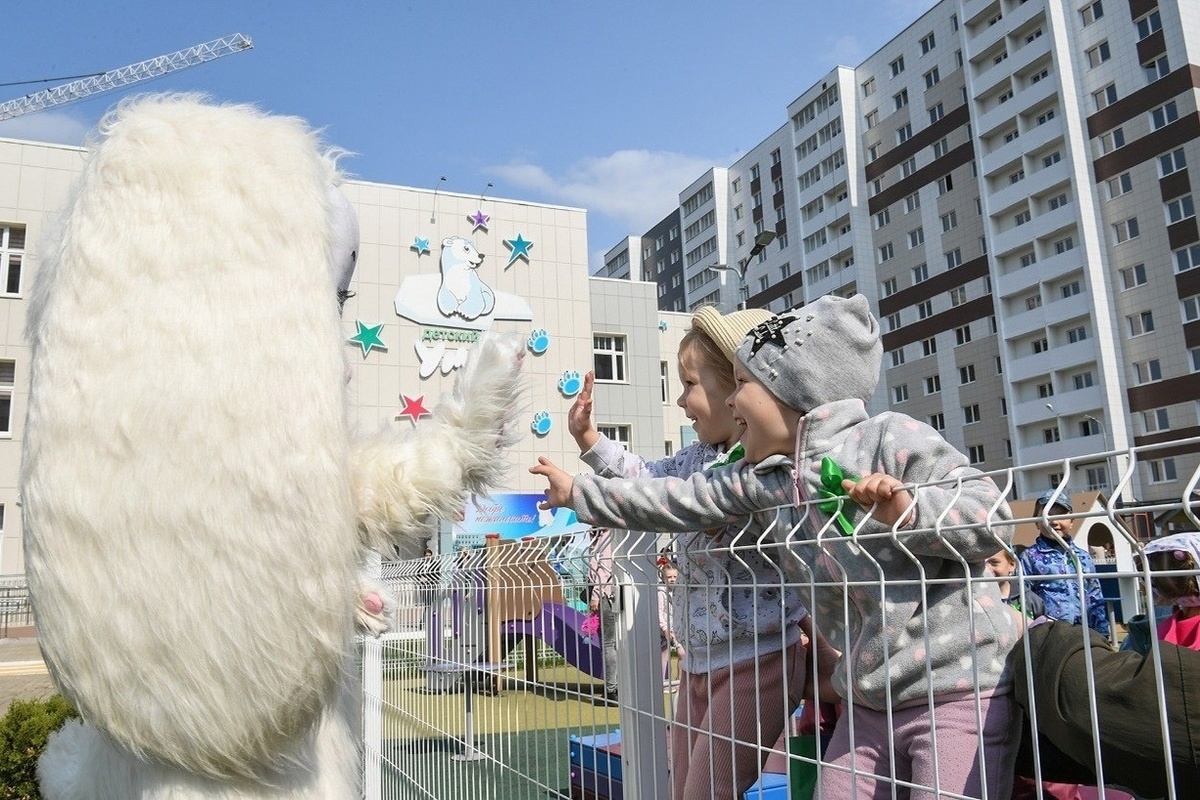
[(898, 605), (727, 606)]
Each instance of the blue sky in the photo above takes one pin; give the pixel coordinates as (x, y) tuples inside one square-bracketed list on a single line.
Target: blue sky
[(613, 107)]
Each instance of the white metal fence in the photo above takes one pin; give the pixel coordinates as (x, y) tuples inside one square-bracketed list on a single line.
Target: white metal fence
[(490, 686)]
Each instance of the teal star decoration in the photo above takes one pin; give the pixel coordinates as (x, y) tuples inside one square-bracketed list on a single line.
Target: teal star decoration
[(420, 244), (662, 326), (520, 249), (368, 337)]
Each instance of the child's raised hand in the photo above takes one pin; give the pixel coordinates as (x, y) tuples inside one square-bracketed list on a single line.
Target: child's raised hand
[(559, 493), (892, 503), (579, 418)]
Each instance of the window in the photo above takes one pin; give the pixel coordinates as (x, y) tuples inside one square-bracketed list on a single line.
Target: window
[(1033, 301), (897, 357), (1031, 38), (954, 258), (1142, 322), (1133, 276), (966, 374), (1050, 435), (889, 287), (1099, 54), (1162, 470), (958, 295), (1045, 390), (1126, 229), (897, 66), (975, 453), (900, 393), (1119, 185), (971, 414), (1112, 140), (900, 99), (1191, 308), (1058, 201), (936, 113), (1016, 177), (1092, 12), (1082, 381), (1045, 116), (1022, 217), (1147, 371), (912, 203), (949, 221), (1180, 208), (893, 321), (1187, 258), (962, 335), (1051, 159), (12, 253), (1171, 162), (608, 357), (904, 133), (1156, 420), (1149, 24), (1164, 115), (1003, 406), (1194, 355), (1040, 345), (1012, 136), (1070, 289), (1076, 334), (933, 384), (937, 422), (908, 167), (1063, 245), (1105, 97), (925, 309), (868, 87), (932, 78), (886, 252), (1028, 259), (883, 218), (927, 44), (1004, 97), (8, 370), (1158, 68), (917, 237), (664, 384), (941, 147), (618, 433), (945, 184), (928, 346)]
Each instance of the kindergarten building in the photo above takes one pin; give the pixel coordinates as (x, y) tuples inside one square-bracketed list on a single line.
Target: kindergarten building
[(403, 346)]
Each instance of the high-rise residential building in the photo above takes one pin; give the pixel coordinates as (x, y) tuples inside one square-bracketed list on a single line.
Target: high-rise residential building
[(1008, 182)]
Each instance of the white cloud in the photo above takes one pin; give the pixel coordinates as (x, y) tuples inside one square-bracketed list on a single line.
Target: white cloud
[(634, 188), (46, 126)]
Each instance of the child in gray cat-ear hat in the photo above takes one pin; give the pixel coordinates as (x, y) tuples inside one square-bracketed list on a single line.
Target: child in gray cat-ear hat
[(892, 526)]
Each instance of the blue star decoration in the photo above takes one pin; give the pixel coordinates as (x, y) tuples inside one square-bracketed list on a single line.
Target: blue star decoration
[(420, 244), (479, 220), (662, 326), (368, 337), (520, 249)]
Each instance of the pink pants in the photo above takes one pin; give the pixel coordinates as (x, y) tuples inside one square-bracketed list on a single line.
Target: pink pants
[(745, 704), (957, 754)]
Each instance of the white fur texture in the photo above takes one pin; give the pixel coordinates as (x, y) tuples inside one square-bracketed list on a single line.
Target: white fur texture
[(191, 527)]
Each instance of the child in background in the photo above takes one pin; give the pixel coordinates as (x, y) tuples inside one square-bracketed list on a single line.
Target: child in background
[(741, 638), (926, 648), (1180, 593), (666, 625), (1003, 564)]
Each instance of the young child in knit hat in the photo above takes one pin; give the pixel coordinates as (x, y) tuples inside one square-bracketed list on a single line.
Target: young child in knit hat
[(1178, 552), (891, 567), (742, 668)]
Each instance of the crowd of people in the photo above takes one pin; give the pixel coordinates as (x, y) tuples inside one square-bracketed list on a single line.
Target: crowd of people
[(902, 591)]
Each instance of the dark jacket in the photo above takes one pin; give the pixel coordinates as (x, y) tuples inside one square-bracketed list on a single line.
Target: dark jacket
[(1127, 703)]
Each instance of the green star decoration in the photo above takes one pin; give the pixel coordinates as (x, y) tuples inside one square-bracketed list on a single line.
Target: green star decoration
[(368, 337), (520, 249)]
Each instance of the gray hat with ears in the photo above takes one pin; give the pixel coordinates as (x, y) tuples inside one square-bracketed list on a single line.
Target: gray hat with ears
[(828, 350)]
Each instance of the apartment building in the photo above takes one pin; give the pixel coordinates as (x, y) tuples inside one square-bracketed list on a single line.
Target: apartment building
[(1008, 182)]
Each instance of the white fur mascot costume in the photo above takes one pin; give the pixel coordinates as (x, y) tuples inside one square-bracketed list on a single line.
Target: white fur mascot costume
[(195, 508)]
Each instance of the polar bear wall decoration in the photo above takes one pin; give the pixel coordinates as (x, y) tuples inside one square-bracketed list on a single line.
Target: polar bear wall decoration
[(195, 506), (462, 292)]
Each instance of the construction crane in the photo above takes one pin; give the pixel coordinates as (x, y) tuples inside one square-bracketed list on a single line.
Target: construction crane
[(124, 76)]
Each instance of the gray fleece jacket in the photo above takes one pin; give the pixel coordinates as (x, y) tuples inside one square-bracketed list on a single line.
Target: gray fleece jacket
[(729, 608), (898, 605)]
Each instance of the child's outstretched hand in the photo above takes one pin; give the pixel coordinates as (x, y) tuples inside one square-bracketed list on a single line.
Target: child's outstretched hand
[(579, 418), (559, 493), (892, 504)]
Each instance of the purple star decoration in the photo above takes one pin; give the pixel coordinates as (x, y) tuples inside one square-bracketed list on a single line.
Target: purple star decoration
[(479, 220)]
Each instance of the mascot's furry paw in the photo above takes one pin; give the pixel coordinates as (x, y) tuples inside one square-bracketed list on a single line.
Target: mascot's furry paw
[(374, 608), (405, 482)]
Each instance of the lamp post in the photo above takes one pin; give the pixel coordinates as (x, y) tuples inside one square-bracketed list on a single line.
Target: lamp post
[(1109, 479), (760, 243)]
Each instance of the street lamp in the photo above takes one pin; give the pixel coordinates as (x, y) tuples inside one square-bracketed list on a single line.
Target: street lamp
[(760, 243), (1107, 460)]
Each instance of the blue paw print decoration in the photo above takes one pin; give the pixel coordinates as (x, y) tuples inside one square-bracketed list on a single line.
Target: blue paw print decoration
[(541, 423), (539, 341), (570, 383)]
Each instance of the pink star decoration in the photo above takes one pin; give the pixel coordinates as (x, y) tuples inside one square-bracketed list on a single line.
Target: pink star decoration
[(414, 408)]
